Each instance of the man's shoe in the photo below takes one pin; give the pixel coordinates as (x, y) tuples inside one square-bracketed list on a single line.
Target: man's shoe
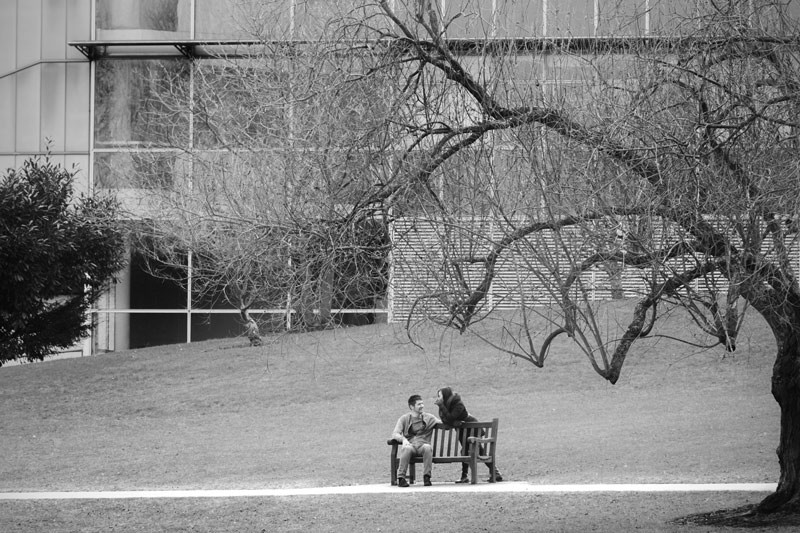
[(401, 482), (497, 478), (464, 479), (427, 481)]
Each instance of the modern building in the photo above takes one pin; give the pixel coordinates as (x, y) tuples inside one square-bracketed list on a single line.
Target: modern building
[(72, 84)]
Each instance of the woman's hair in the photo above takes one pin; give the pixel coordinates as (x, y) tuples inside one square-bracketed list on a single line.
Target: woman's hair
[(446, 393)]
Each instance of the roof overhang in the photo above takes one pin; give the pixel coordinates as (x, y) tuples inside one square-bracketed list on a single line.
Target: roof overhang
[(143, 49), (132, 49)]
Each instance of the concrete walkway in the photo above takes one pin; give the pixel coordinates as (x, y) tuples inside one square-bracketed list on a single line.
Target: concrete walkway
[(385, 488)]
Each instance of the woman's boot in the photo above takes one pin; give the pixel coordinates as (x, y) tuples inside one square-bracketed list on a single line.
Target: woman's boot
[(497, 476), (464, 473)]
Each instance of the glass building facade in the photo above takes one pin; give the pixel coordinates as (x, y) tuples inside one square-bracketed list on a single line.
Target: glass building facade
[(79, 79)]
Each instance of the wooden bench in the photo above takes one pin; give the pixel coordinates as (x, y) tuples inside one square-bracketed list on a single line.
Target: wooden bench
[(448, 446)]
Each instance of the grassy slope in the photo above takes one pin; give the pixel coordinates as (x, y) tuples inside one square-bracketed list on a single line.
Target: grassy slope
[(316, 409)]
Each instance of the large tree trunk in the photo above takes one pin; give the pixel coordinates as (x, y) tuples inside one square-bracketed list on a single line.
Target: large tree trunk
[(786, 390)]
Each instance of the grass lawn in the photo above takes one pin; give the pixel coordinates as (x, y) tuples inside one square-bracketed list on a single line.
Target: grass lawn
[(316, 409)]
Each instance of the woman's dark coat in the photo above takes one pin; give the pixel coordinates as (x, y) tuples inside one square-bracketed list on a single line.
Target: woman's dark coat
[(452, 410)]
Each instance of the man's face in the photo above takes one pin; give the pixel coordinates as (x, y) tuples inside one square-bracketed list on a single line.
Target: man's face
[(418, 407)]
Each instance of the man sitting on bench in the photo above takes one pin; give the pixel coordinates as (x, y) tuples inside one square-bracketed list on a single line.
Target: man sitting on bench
[(414, 430)]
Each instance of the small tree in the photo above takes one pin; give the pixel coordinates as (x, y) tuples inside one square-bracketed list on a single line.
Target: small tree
[(285, 144), (55, 257)]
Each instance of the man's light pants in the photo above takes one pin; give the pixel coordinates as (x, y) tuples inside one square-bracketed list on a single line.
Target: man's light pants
[(406, 452)]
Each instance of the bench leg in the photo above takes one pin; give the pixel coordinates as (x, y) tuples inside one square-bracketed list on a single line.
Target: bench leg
[(474, 468), (393, 462), (412, 472)]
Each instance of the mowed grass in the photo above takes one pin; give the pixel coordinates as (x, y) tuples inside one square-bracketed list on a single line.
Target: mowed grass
[(316, 409)]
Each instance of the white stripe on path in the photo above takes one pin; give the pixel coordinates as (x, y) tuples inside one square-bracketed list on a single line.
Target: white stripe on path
[(388, 489)]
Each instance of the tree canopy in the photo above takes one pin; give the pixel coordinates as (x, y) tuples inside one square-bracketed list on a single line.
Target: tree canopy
[(56, 254)]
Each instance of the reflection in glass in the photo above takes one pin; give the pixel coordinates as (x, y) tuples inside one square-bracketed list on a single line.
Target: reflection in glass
[(241, 105), (155, 15), (519, 19), (243, 19), (141, 103), (571, 19), (469, 18), (134, 170)]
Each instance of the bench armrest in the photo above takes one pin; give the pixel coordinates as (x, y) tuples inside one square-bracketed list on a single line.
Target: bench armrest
[(392, 442), (481, 440)]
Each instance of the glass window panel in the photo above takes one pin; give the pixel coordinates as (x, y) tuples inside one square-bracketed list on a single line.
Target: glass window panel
[(342, 117), (28, 111), (311, 17), (524, 75), (53, 106), (467, 184), (141, 103), (219, 326), (133, 170), (241, 105), (7, 113), (787, 19), (78, 25), (117, 14), (240, 181), (159, 15), (143, 19), (775, 18), (8, 37), (474, 18), (405, 11), (670, 16), (77, 107), (244, 19), (54, 29), (519, 18), (157, 329), (29, 42), (563, 68), (570, 18), (622, 17)]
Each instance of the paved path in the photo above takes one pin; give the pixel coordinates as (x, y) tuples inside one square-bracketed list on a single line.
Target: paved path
[(388, 489)]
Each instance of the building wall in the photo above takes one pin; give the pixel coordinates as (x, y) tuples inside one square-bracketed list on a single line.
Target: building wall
[(89, 113), (45, 83)]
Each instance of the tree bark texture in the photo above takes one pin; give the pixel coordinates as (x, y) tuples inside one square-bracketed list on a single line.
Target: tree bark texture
[(786, 390)]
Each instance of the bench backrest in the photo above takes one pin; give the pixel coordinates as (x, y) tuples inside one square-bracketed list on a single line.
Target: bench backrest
[(449, 442)]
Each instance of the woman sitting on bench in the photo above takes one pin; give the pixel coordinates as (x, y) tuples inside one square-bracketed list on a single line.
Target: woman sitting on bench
[(454, 413)]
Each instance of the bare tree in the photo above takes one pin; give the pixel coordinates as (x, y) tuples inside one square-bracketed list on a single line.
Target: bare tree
[(275, 154), (553, 160), (673, 156)]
